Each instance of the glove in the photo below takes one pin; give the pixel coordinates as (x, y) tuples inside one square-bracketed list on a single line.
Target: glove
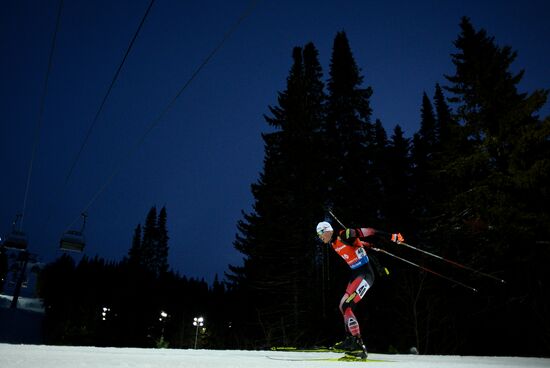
[(365, 244), (397, 238)]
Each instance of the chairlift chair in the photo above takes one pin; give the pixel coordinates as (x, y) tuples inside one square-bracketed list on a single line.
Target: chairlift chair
[(17, 239), (73, 240)]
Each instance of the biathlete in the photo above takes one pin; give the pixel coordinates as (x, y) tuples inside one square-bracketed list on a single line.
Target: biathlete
[(352, 245)]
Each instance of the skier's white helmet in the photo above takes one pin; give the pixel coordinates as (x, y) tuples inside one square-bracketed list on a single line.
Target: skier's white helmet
[(323, 227)]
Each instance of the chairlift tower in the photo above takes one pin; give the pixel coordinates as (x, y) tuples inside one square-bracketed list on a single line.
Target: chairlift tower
[(24, 257)]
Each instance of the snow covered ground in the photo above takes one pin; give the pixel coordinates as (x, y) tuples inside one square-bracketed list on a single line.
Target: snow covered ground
[(40, 356)]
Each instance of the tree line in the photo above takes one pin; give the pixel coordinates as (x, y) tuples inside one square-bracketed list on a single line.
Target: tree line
[(472, 185), (137, 301)]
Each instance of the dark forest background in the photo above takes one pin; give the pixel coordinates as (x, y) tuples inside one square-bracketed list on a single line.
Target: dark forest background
[(472, 185)]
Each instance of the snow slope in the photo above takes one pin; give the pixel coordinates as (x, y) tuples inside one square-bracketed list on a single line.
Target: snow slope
[(40, 356)]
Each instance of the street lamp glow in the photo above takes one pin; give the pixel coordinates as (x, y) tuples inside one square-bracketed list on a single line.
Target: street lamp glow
[(104, 313), (197, 322)]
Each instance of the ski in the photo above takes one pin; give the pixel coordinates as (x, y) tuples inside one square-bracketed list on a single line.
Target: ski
[(344, 355), (355, 355), (307, 350), (345, 358), (299, 359)]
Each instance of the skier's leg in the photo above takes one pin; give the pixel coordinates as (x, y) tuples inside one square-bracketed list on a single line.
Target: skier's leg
[(355, 291)]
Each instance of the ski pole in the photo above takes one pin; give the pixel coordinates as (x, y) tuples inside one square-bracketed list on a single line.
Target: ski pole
[(409, 262), (452, 262), (336, 218), (424, 268)]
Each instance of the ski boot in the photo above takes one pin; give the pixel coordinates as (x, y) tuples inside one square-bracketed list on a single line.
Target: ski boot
[(358, 350), (353, 347), (347, 345)]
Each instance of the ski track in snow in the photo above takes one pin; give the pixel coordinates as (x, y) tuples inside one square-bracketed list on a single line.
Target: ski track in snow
[(42, 356)]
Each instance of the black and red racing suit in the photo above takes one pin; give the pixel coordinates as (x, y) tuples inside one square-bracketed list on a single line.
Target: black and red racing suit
[(351, 246)]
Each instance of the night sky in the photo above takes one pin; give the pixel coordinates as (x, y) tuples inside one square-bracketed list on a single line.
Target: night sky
[(202, 156)]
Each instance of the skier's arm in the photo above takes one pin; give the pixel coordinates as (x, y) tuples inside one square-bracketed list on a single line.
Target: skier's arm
[(365, 232)]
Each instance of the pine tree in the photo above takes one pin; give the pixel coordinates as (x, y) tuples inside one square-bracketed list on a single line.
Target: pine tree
[(398, 182), (287, 204), (349, 135), (150, 241), (379, 173), (447, 130), (428, 131), (150, 247), (451, 143), (496, 117), (425, 141), (492, 221), (162, 245), (424, 153), (134, 254)]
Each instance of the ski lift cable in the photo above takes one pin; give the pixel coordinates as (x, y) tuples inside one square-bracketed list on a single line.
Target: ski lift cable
[(168, 107), (100, 109), (40, 113), (98, 113)]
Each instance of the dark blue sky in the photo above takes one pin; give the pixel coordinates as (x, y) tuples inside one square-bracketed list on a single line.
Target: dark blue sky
[(203, 155)]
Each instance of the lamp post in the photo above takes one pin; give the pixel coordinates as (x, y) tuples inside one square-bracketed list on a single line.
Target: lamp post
[(162, 319), (197, 322)]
